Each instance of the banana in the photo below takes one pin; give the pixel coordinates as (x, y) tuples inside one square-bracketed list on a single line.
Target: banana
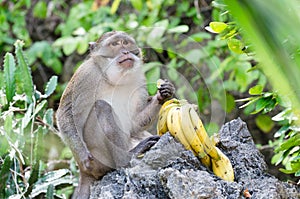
[(208, 145), (189, 131), (159, 83), (174, 126), (206, 161), (222, 167), (170, 101), (163, 114), (182, 121)]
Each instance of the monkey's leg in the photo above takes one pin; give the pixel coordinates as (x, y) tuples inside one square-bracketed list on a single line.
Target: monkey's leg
[(71, 137), (117, 141), (83, 189)]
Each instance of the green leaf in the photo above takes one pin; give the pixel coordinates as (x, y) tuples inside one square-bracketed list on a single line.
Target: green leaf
[(281, 131), (260, 105), (51, 85), (42, 187), (270, 106), (173, 74), (291, 142), (235, 45), (200, 36), (4, 174), (48, 117), (150, 65), (8, 123), (70, 46), (194, 56), (27, 116), (179, 29), (43, 50), (24, 72), (137, 4), (228, 104), (218, 27), (155, 37), (55, 64), (286, 171), (277, 158), (152, 76), (50, 192), (40, 10), (256, 90), (39, 107), (82, 46), (264, 123), (38, 146), (115, 6), (9, 74), (53, 175)]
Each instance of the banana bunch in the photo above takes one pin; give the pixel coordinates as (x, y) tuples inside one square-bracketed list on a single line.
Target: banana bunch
[(182, 121)]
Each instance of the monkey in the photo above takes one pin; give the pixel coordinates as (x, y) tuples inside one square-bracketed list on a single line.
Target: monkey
[(105, 109)]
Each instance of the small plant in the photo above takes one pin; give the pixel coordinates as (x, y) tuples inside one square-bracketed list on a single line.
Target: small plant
[(25, 121)]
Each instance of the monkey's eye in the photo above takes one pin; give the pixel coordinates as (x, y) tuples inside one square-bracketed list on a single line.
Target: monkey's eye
[(125, 42), (115, 43), (136, 52)]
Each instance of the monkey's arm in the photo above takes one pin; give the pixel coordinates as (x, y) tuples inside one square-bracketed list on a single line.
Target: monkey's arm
[(70, 135), (149, 113)]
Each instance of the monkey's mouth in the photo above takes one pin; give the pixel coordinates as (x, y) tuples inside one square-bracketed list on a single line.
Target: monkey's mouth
[(126, 61)]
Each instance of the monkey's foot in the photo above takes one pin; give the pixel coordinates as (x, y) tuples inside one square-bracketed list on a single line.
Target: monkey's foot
[(91, 166), (145, 145)]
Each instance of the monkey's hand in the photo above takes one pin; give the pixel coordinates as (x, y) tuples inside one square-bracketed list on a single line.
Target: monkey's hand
[(165, 91)]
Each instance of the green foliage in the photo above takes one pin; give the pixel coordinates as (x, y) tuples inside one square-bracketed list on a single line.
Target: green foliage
[(50, 86), (9, 74), (275, 41), (43, 51), (23, 72), (4, 173), (25, 121), (13, 25), (40, 10), (52, 178)]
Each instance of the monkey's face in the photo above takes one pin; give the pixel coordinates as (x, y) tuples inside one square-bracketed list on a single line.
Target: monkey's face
[(121, 55), (121, 48)]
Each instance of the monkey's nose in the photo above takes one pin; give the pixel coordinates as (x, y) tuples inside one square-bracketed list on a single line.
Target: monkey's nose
[(125, 52)]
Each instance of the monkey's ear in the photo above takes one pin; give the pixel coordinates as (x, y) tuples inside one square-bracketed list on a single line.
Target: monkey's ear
[(92, 45)]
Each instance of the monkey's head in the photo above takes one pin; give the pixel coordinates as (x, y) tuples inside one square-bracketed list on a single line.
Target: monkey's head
[(117, 53)]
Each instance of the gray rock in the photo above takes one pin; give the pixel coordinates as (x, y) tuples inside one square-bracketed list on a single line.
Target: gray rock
[(167, 170)]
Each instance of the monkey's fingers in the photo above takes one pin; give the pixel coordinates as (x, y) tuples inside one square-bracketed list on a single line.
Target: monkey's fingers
[(166, 93)]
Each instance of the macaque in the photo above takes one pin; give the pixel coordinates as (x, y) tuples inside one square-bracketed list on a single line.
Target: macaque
[(105, 109)]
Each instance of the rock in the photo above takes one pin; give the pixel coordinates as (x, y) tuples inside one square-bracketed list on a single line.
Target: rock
[(167, 170)]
